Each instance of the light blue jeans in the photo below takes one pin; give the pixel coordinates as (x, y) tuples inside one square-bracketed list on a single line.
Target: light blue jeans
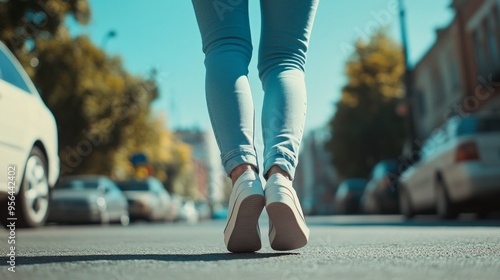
[(225, 32)]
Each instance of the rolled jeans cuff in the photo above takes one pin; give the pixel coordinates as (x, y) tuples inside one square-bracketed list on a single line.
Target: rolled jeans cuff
[(283, 160), (238, 157)]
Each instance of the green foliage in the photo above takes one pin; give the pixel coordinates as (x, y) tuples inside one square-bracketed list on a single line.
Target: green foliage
[(366, 128), (25, 20)]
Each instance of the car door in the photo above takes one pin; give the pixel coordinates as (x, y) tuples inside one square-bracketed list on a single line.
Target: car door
[(120, 200), (16, 114), (113, 200), (425, 172), (159, 192)]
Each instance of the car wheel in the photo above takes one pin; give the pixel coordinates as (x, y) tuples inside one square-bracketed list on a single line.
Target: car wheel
[(405, 204), (32, 201), (124, 219), (104, 218), (377, 210), (482, 215), (444, 207)]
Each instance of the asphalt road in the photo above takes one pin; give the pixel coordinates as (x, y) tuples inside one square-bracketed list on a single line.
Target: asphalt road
[(339, 248)]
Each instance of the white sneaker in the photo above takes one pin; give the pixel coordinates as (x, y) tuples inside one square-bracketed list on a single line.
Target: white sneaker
[(287, 225), (242, 233)]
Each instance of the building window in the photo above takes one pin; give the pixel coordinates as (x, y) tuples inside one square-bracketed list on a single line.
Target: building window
[(454, 75), (478, 47), (421, 103), (496, 25), (484, 38), (439, 90), (492, 41)]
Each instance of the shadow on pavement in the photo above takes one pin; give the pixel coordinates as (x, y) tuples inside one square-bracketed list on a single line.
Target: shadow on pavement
[(210, 257)]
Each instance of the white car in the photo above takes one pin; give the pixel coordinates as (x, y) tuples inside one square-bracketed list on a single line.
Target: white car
[(29, 161), (459, 170)]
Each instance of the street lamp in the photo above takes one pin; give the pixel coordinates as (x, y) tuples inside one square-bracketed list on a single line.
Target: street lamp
[(111, 34), (408, 80)]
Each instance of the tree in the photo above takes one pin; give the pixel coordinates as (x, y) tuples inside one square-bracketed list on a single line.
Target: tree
[(27, 20), (102, 111), (99, 107), (365, 128)]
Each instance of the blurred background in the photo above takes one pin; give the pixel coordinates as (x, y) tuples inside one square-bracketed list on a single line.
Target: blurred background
[(403, 109)]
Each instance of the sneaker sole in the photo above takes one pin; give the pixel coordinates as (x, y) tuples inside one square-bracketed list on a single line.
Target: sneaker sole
[(288, 233), (245, 236)]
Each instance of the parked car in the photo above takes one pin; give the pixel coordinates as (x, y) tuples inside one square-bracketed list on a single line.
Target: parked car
[(220, 212), (147, 199), (381, 193), (459, 170), (28, 146), (188, 212), (174, 212), (82, 199), (348, 196), (204, 211)]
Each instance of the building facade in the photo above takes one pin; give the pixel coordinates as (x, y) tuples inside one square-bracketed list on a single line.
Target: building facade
[(315, 178), (209, 174), (459, 75)]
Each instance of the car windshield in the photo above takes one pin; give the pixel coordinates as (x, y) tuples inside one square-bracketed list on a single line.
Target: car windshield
[(477, 125), (133, 186), (10, 74), (389, 167), (78, 185), (354, 184)]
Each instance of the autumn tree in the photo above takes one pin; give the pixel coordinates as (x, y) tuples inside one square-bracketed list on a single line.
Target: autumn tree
[(365, 128), (103, 112), (27, 20), (98, 105)]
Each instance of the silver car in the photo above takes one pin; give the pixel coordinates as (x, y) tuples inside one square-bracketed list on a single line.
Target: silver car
[(459, 170), (94, 199), (147, 199)]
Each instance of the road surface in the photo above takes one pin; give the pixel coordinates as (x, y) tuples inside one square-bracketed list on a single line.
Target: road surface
[(339, 248)]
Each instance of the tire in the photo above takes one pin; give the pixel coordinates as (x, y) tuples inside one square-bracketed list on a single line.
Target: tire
[(482, 215), (377, 210), (33, 199), (405, 204), (444, 207), (105, 219), (125, 219)]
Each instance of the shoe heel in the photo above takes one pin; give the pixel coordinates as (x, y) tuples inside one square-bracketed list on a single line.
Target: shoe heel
[(245, 236), (288, 231), (288, 228)]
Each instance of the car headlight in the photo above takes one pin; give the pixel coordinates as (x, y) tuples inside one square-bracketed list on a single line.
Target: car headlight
[(101, 202)]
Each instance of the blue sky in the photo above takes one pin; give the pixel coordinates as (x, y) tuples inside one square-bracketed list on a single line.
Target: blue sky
[(163, 34)]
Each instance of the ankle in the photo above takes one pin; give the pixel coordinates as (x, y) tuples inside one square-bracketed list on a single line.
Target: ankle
[(239, 170), (277, 170)]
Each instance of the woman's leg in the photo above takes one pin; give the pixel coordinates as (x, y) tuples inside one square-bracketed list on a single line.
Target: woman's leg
[(286, 29), (227, 45), (225, 31)]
